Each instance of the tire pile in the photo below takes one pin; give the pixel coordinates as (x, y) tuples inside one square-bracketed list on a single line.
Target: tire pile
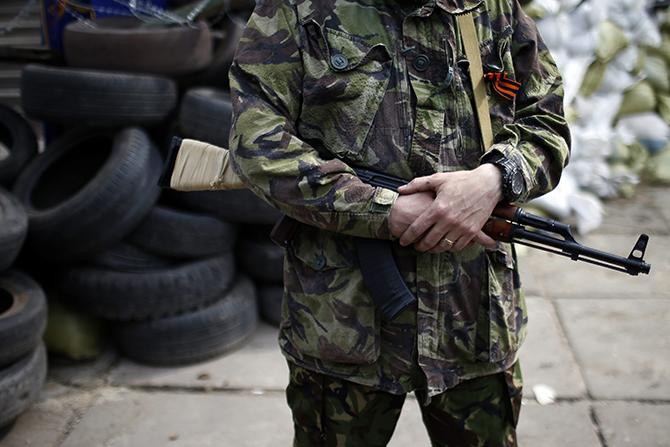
[(175, 277)]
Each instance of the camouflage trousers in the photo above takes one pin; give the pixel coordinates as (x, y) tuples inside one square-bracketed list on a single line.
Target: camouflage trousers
[(332, 412)]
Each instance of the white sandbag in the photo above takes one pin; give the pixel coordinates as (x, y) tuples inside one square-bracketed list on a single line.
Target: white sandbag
[(588, 209), (557, 202), (618, 75), (649, 128), (583, 43), (627, 59), (598, 111), (593, 175), (643, 30), (655, 70), (590, 14), (552, 7), (567, 200), (556, 30), (660, 168), (633, 18), (573, 71), (593, 143)]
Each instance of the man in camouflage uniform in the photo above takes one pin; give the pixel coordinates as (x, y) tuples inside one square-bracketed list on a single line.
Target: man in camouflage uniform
[(319, 86)]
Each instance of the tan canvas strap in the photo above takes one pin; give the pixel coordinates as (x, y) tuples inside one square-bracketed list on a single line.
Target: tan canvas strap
[(471, 44)]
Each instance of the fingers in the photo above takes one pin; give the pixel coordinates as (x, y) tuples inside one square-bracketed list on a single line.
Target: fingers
[(445, 244), (419, 184)]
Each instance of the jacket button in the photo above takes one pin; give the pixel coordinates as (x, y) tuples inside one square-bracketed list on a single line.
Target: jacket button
[(421, 62), (319, 263), (339, 61)]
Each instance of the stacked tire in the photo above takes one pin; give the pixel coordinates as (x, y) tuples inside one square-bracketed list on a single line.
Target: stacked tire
[(23, 306), (159, 268)]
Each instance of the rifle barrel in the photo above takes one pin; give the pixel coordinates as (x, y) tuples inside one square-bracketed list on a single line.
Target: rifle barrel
[(578, 252)]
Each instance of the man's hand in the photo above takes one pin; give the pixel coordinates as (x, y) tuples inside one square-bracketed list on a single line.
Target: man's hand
[(463, 203), (407, 209)]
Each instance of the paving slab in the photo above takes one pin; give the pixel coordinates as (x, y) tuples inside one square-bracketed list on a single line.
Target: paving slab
[(660, 197), (621, 346), (83, 373), (257, 365), (631, 424), (545, 356), (47, 421), (532, 286), (644, 212), (558, 425), (410, 430), (557, 276), (122, 417)]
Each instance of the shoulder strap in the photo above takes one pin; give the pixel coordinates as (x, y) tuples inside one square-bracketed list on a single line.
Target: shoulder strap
[(471, 45)]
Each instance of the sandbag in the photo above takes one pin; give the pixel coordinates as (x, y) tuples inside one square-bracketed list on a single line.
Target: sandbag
[(649, 128), (613, 40), (72, 334), (655, 70), (639, 99), (658, 171)]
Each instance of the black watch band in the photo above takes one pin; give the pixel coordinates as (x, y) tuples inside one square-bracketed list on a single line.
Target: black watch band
[(513, 183)]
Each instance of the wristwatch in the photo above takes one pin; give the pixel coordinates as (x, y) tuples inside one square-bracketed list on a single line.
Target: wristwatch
[(513, 183)]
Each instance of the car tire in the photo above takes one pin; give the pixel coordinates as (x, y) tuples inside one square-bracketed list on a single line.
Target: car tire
[(181, 234), (149, 295), (13, 228), (18, 138), (261, 259), (240, 205), (94, 98), (88, 191), (126, 257), (206, 114), (21, 384), (193, 337), (270, 301), (23, 315)]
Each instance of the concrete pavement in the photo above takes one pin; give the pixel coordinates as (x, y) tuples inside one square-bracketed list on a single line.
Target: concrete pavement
[(597, 356)]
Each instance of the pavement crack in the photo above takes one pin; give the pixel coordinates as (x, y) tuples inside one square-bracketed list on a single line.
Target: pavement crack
[(596, 424)]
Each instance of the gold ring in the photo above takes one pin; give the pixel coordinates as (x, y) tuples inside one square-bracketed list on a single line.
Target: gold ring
[(448, 241)]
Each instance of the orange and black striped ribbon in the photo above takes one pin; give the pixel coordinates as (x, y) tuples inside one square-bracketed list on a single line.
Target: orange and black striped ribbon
[(506, 87)]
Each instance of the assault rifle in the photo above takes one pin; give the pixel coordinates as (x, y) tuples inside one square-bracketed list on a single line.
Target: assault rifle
[(508, 223)]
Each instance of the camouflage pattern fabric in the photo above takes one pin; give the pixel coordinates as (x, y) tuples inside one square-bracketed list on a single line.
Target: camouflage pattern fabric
[(332, 412), (320, 85)]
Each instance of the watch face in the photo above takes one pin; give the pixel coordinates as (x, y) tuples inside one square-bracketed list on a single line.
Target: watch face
[(517, 183)]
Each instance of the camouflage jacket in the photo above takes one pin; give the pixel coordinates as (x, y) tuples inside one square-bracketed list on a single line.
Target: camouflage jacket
[(320, 85)]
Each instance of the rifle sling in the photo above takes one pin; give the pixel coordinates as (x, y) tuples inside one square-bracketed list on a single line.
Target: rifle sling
[(471, 45)]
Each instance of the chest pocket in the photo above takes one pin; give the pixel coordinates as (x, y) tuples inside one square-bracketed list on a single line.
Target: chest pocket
[(344, 83)]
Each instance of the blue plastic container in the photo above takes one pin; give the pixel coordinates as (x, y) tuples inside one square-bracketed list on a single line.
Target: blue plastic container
[(112, 8)]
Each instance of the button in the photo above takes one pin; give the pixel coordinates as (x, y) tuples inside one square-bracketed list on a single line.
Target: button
[(339, 62), (492, 68), (319, 262), (421, 62), (450, 77)]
